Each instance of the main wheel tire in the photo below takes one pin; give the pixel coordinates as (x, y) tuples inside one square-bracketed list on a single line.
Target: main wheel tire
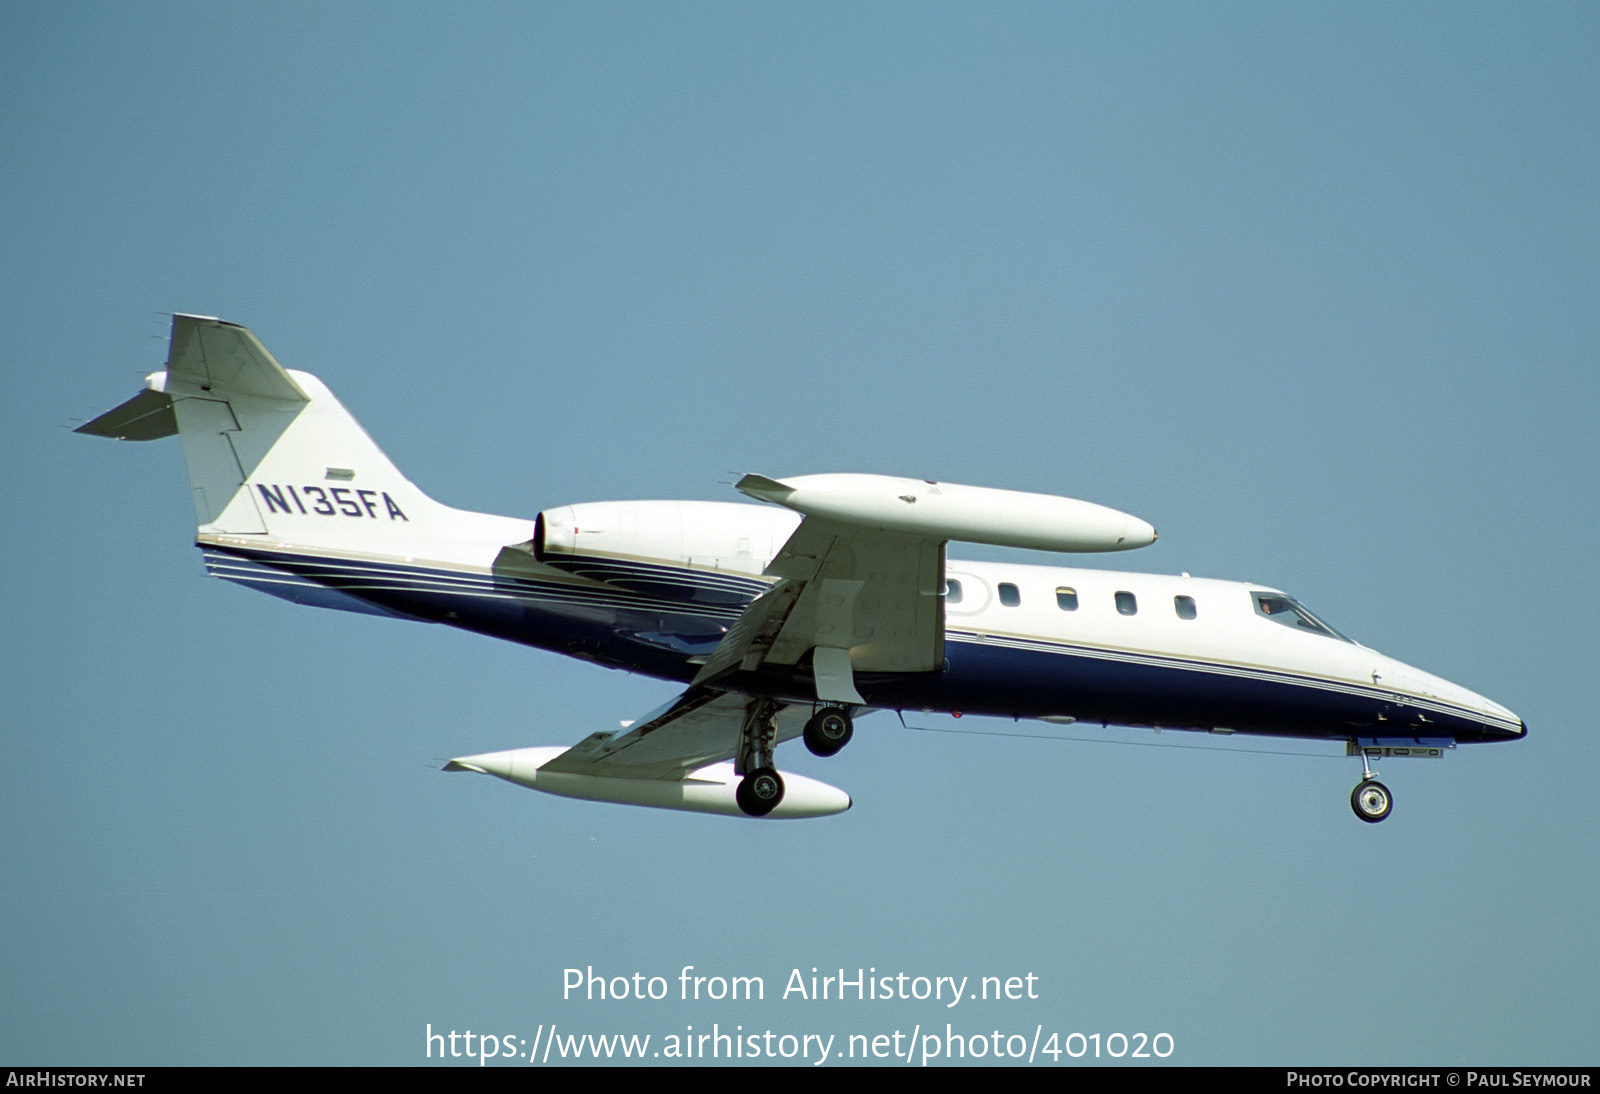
[(828, 731), (759, 792), (1371, 801)]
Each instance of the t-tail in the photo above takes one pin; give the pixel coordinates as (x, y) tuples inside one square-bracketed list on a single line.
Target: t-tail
[(278, 468)]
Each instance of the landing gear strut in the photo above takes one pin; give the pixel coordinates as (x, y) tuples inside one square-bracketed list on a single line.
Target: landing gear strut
[(1370, 799), (829, 730), (761, 789)]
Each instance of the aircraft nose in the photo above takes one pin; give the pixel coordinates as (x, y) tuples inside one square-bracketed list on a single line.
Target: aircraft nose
[(1502, 731), (1511, 725)]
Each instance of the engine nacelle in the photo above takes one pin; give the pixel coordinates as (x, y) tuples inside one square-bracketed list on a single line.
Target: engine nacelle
[(651, 546)]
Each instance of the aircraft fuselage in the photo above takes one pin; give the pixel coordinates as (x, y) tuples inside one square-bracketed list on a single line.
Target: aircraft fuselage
[(1133, 649)]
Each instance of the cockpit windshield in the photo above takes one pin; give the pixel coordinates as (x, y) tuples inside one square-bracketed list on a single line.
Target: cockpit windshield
[(1290, 613)]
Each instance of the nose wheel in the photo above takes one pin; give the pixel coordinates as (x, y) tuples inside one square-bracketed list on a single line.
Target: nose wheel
[(1370, 800)]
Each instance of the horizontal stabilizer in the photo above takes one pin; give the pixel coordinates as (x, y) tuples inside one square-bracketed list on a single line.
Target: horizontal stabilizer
[(147, 416)]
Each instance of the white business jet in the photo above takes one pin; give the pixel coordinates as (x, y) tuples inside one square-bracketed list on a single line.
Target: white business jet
[(783, 620)]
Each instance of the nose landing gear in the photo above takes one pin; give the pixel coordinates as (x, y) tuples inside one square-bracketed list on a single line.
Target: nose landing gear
[(1370, 800)]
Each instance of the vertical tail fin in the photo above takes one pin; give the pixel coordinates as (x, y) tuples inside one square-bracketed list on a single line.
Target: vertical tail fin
[(272, 454)]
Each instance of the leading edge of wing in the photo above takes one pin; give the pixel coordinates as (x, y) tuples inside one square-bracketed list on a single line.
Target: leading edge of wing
[(699, 727)]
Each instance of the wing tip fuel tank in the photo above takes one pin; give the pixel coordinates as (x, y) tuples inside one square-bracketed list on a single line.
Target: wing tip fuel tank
[(945, 511), (709, 789)]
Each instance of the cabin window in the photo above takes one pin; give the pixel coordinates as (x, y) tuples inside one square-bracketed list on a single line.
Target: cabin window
[(952, 592), (1126, 604), (1289, 612), (1009, 596), (1067, 599), (1184, 606)]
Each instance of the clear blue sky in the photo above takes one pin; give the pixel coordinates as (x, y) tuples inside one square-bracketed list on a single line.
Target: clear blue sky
[(1310, 287)]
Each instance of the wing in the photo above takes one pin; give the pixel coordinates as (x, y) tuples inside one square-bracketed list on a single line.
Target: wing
[(849, 597), (855, 599), (861, 582), (668, 761), (858, 587)]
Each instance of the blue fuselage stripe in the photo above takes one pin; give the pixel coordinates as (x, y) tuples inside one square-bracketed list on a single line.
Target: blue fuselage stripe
[(655, 625)]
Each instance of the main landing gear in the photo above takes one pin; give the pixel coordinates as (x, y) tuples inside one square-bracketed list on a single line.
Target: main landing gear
[(761, 789), (829, 730), (759, 792), (1370, 799)]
